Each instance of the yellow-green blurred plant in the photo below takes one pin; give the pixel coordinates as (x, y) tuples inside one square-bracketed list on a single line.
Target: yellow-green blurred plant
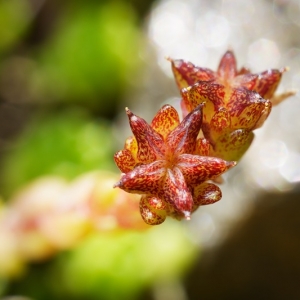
[(90, 58)]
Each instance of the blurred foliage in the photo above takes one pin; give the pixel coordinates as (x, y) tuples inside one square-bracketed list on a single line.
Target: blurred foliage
[(14, 14), (66, 144), (89, 58), (114, 266)]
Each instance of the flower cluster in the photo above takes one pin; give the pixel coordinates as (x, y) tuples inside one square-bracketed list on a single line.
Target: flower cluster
[(171, 163), (168, 164)]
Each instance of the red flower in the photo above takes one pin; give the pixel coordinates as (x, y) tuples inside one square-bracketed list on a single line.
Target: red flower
[(234, 104), (167, 164), (264, 83)]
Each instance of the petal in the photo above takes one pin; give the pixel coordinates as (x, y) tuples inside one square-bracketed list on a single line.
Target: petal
[(150, 143), (227, 67), (219, 123), (124, 160), (247, 81), (144, 179), (202, 147), (197, 169), (231, 146), (268, 82), (240, 98), (206, 193), (166, 120), (183, 138), (253, 116), (177, 193), (132, 146), (211, 93), (264, 114), (150, 214), (187, 74)]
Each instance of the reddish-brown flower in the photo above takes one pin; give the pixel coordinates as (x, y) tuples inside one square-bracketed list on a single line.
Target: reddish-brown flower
[(236, 102), (167, 164), (264, 83)]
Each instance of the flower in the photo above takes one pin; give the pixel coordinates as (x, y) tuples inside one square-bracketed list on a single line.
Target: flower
[(264, 83), (168, 165), (235, 102)]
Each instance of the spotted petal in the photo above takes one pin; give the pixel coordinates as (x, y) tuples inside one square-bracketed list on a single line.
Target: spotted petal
[(206, 193), (211, 94), (232, 145), (152, 214), (268, 83), (166, 120), (247, 81), (183, 138), (176, 192), (227, 67), (144, 179), (150, 143), (124, 160), (196, 169), (187, 74)]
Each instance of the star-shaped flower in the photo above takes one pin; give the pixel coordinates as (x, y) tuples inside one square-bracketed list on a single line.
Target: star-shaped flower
[(264, 83), (236, 102), (166, 162)]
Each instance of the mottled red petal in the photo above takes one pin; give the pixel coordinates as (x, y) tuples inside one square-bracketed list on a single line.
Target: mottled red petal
[(151, 214), (150, 143), (212, 94), (144, 179), (220, 123), (241, 98), (196, 169), (206, 193), (124, 160), (202, 147), (252, 116), (268, 82), (132, 146), (247, 81), (177, 193), (227, 67), (166, 120), (187, 74), (183, 138), (233, 145)]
